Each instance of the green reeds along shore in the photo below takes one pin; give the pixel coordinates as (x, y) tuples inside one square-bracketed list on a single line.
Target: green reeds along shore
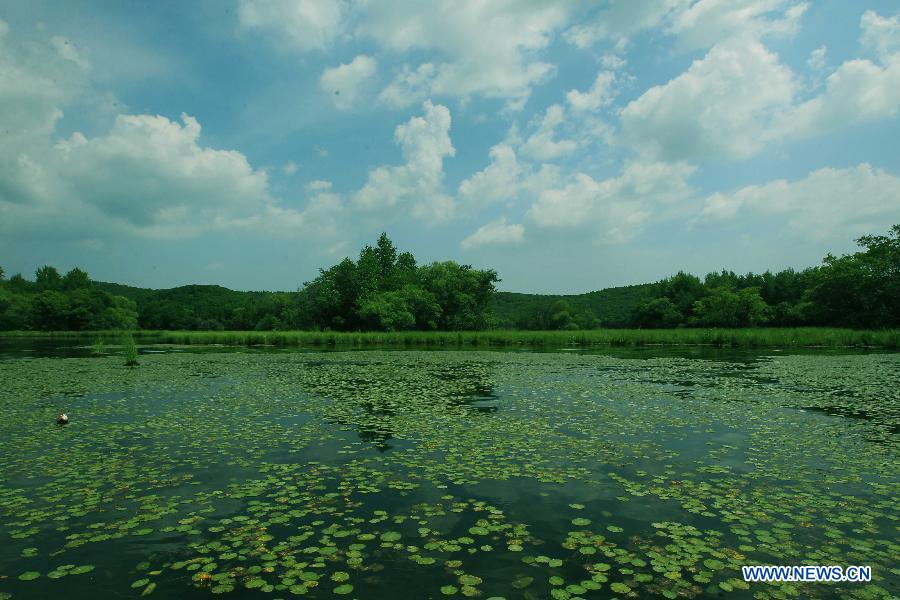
[(720, 338)]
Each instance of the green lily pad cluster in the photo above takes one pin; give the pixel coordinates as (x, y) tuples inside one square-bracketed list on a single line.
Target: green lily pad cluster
[(448, 474)]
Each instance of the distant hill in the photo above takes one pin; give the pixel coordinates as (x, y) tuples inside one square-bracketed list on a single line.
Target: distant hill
[(612, 306), (192, 303), (198, 306)]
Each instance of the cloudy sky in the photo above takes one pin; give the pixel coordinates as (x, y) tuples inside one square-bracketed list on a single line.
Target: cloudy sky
[(571, 145)]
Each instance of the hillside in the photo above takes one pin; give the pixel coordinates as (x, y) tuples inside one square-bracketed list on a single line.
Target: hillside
[(611, 306), (190, 304)]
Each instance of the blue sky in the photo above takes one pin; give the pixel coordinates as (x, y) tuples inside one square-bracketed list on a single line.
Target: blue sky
[(569, 145)]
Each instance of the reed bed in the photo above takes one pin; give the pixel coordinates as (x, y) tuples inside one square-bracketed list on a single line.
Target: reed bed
[(824, 337)]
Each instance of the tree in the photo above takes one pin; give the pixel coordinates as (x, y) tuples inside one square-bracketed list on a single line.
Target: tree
[(47, 278), (463, 293), (861, 289), (657, 312), (50, 311), (726, 308), (561, 315), (387, 256), (76, 279), (386, 311), (2, 274)]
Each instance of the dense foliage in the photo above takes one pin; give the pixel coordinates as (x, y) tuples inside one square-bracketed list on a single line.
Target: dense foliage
[(855, 290), (62, 302), (385, 290)]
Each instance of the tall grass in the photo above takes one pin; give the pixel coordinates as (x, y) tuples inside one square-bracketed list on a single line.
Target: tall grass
[(824, 337), (131, 353)]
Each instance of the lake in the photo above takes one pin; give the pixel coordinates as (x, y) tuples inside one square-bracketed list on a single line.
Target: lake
[(262, 473)]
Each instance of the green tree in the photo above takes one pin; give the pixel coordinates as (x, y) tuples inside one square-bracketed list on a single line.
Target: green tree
[(657, 312), (861, 289), (386, 311), (50, 311), (387, 256), (561, 316), (76, 279), (726, 308), (463, 293), (47, 278)]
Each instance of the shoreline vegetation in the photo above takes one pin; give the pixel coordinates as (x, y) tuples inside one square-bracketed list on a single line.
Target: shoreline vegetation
[(794, 337), (385, 290)]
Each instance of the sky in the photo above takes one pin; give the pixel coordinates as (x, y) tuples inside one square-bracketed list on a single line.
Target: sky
[(570, 145)]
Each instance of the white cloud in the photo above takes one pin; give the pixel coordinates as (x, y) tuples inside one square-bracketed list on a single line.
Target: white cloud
[(322, 216), (601, 93), (343, 82), (497, 182), (495, 233), (621, 19), (542, 145), (409, 86), (290, 167), (818, 207), (617, 208), (153, 175), (302, 24), (480, 48), (416, 184), (146, 176), (706, 22), (67, 51), (720, 106), (818, 61), (695, 24), (881, 35), (318, 185), (858, 91)]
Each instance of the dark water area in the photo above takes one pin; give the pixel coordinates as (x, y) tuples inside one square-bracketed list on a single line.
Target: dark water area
[(385, 473)]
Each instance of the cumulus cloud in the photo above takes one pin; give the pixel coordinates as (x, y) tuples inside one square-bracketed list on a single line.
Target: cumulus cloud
[(881, 35), (721, 106), (621, 19), (817, 207), (542, 145), (706, 22), (478, 48), (817, 63), (695, 24), (153, 174), (616, 208), (601, 93), (302, 24), (416, 184), (495, 233), (497, 182), (344, 82), (145, 176), (858, 91)]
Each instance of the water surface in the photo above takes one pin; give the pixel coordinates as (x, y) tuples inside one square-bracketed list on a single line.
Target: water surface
[(255, 473)]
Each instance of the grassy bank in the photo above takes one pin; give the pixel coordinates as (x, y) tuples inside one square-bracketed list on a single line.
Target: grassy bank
[(720, 338)]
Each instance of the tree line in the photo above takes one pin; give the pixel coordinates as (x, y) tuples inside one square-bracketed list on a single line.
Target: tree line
[(860, 290), (387, 290), (382, 289)]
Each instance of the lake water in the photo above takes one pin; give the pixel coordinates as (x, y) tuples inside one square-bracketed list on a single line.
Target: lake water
[(254, 473)]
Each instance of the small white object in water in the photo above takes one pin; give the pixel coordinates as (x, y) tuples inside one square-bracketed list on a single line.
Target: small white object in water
[(62, 419)]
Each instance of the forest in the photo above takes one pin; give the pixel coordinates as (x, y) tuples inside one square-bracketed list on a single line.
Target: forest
[(387, 290)]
